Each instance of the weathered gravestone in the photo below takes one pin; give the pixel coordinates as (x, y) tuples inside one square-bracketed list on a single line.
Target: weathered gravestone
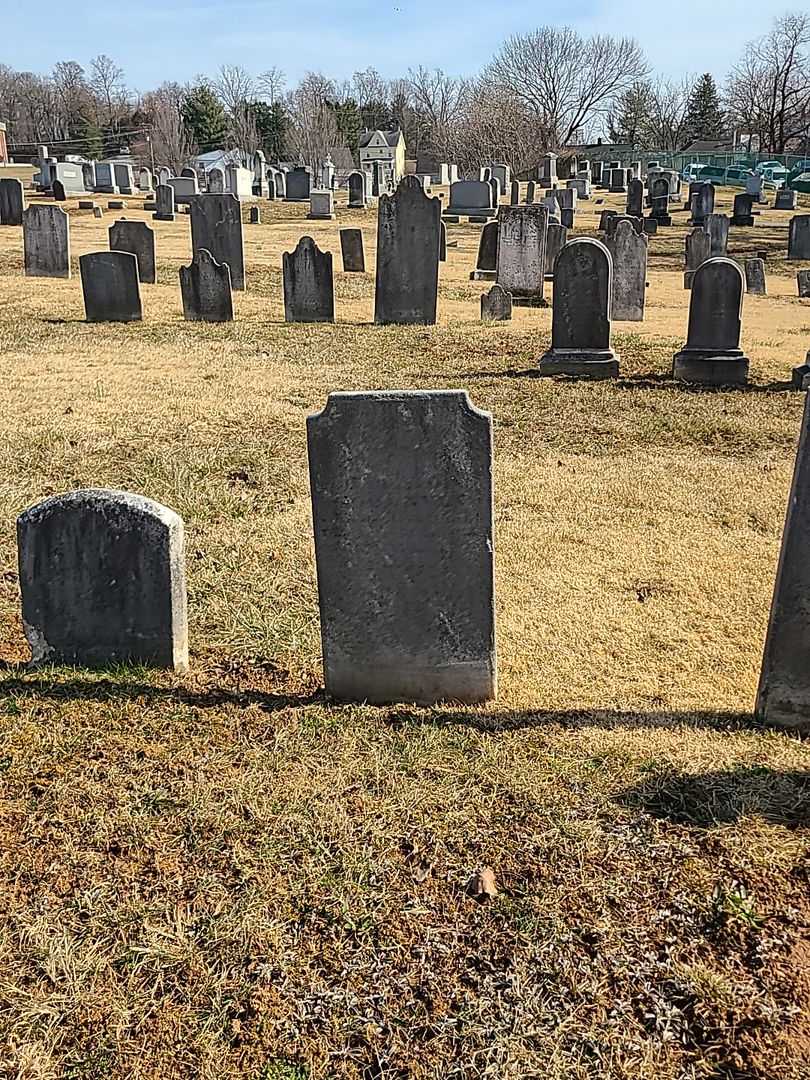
[(12, 201), (321, 205), (635, 198), (629, 253), (471, 198), (596, 173), (618, 180), (189, 172), (786, 199), (164, 203), (110, 286), (357, 191), (803, 283), (612, 223), (556, 239), (255, 215), (712, 353), (496, 305), (46, 241), (531, 192), (522, 252), (309, 290), (102, 578), (755, 277), (402, 508), (58, 191), (407, 255), (216, 225), (702, 203), (692, 191), (145, 181), (514, 193), (297, 185), (487, 261), (783, 698), (743, 210), (580, 324), (205, 286), (717, 228), (186, 189), (605, 217), (799, 237), (351, 250), (698, 250), (547, 170), (216, 181), (659, 200), (137, 238)]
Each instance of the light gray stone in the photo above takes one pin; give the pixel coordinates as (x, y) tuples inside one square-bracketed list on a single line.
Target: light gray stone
[(321, 205), (496, 305), (402, 506), (755, 277), (408, 228), (205, 286), (522, 252), (12, 201), (629, 253), (145, 180), (309, 290), (110, 286), (351, 250), (216, 181), (46, 241), (216, 225), (137, 238), (186, 188), (124, 178), (102, 578), (712, 353), (799, 237)]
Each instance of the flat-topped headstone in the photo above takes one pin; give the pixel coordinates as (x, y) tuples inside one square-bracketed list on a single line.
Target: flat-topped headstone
[(351, 251), (712, 353), (522, 252), (164, 203), (471, 198), (102, 578), (717, 228), (124, 178), (659, 201), (618, 180), (407, 277), (487, 260), (698, 250), (185, 189), (803, 283), (402, 504), (321, 205), (205, 286), (635, 198), (309, 290), (604, 218), (743, 213), (755, 277), (799, 237), (12, 201), (46, 241), (298, 183), (216, 225), (786, 199), (629, 253), (110, 286), (596, 172), (649, 226), (556, 239), (137, 238), (580, 324), (496, 305)]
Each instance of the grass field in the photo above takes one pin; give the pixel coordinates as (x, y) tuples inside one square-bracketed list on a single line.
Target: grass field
[(222, 875)]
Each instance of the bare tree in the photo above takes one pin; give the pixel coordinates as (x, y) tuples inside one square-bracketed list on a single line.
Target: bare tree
[(314, 131), (107, 84), (665, 124), (440, 100), (171, 142), (271, 84), (234, 86)]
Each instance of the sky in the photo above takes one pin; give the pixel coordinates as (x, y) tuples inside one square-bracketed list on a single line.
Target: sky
[(158, 40)]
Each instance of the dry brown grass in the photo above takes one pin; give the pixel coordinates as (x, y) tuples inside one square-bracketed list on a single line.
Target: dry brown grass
[(222, 875)]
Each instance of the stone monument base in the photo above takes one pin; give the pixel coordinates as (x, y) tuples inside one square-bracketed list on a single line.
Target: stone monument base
[(587, 363), (482, 275), (661, 220), (711, 367), (529, 301)]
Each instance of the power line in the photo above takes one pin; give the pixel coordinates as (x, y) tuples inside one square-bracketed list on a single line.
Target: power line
[(79, 140)]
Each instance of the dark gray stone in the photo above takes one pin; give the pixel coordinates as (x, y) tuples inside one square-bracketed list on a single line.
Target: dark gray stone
[(357, 191), (531, 191), (612, 223), (442, 242), (514, 193), (46, 241), (402, 508), (604, 218), (712, 353), (496, 305), (698, 250), (556, 239), (216, 225), (116, 204), (702, 203), (471, 197), (786, 199), (629, 253), (298, 183), (522, 251), (98, 212), (12, 201), (255, 215), (164, 199), (137, 238), (580, 325), (487, 261), (110, 286), (58, 191), (407, 255), (205, 287), (635, 199), (803, 283), (801, 375), (755, 277), (618, 180), (309, 290), (102, 578), (649, 226), (799, 237), (659, 201), (743, 214), (351, 250), (717, 228)]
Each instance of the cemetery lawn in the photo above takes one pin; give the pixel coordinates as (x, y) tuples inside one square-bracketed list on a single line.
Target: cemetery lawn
[(223, 875)]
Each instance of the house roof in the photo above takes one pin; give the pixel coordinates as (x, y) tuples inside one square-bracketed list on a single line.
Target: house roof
[(391, 137), (706, 146)]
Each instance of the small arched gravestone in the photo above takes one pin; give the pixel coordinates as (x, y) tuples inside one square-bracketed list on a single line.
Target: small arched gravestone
[(712, 352)]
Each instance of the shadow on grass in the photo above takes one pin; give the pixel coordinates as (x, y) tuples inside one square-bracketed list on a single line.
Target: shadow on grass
[(722, 798), (650, 380)]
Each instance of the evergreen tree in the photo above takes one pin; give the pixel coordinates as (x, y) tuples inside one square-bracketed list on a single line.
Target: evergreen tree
[(272, 124), (628, 122), (205, 118), (704, 117), (349, 122)]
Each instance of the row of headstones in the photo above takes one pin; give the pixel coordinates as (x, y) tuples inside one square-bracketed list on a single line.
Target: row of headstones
[(402, 507)]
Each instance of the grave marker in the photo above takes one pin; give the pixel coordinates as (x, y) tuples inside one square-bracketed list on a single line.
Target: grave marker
[(522, 252), (351, 250), (137, 238), (110, 286), (407, 255), (12, 201), (629, 253), (496, 305), (309, 291), (205, 286), (46, 241), (216, 225), (712, 353)]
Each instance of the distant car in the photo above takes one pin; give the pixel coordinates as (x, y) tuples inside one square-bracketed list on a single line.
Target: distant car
[(692, 171), (737, 175), (797, 170), (801, 182), (774, 171)]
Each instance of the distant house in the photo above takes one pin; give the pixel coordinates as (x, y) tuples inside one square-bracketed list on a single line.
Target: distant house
[(710, 146), (386, 151)]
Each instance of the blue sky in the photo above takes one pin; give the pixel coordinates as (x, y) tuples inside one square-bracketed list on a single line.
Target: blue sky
[(155, 40)]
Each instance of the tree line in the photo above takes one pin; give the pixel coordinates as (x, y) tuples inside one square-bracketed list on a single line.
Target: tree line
[(542, 90)]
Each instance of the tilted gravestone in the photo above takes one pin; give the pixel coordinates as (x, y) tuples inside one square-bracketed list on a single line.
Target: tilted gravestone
[(407, 276), (102, 578), (698, 250), (717, 228), (351, 251), (46, 241), (755, 277), (783, 698), (205, 287), (12, 201), (743, 214), (803, 283), (799, 237), (137, 238), (556, 239), (580, 324), (522, 252), (402, 504), (110, 286), (712, 353), (216, 225), (487, 260), (635, 198), (496, 305), (309, 290), (629, 253), (58, 191), (357, 191), (164, 203)]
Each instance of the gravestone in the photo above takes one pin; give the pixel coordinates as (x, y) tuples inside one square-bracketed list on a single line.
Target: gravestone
[(309, 291), (145, 182), (321, 205), (522, 252), (357, 191), (717, 228), (659, 201), (743, 210), (596, 173), (712, 353), (105, 178), (351, 250), (12, 201), (531, 192), (102, 578), (496, 305), (786, 199), (698, 250), (612, 223), (137, 238), (803, 283), (164, 175), (581, 185), (164, 201), (556, 239), (604, 217), (649, 226), (255, 215), (755, 277), (801, 374), (471, 198), (514, 193), (799, 237), (298, 183), (547, 171), (271, 186), (580, 324), (753, 186), (46, 241), (185, 189), (89, 175), (124, 178), (487, 261), (216, 225), (402, 503), (110, 286), (205, 286), (618, 180), (189, 172), (629, 253), (407, 255), (635, 198), (58, 191), (783, 697), (443, 241), (693, 190), (98, 212), (216, 181), (702, 203)]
